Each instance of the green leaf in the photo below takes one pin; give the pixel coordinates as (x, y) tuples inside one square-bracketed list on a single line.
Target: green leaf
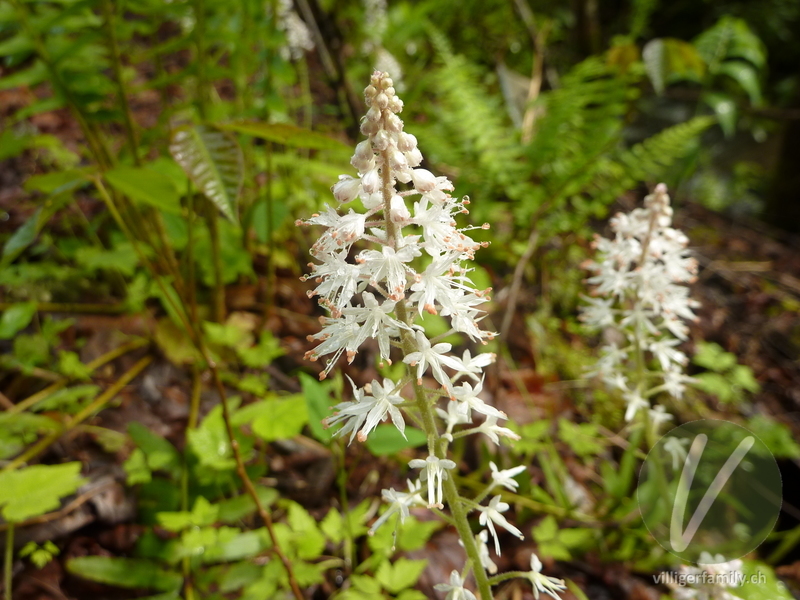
[(583, 438), (318, 403), (12, 144), (711, 356), (57, 181), (386, 440), (145, 185), (746, 76), (730, 38), (136, 468), (210, 442), (122, 258), (16, 318), (213, 161), (70, 365), (715, 384), (203, 514), (777, 436), (546, 530), (284, 133), (670, 59), (413, 534), (33, 491), (133, 573), (174, 343), (724, 108), (308, 538), (23, 237), (283, 419), (26, 77), (161, 454), (235, 509), (399, 575), (761, 583), (333, 526), (576, 591)]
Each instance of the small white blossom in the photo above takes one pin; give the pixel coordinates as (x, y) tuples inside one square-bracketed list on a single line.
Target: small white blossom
[(542, 583), (399, 502), (490, 429), (434, 473), (369, 410), (491, 515), (505, 478), (434, 356), (455, 589)]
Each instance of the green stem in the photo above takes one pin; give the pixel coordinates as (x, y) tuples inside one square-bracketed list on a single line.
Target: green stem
[(425, 406), (200, 44), (8, 571), (218, 302), (116, 64)]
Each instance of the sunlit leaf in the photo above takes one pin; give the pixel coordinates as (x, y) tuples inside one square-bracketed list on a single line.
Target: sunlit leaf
[(386, 439), (145, 185), (213, 161), (33, 491), (284, 133), (16, 318), (133, 573)]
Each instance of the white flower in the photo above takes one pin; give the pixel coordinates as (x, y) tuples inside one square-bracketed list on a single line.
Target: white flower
[(434, 474), (455, 589), (468, 400), (505, 477), (369, 410), (470, 365), (376, 322), (452, 417), (543, 583), (399, 502), (433, 356), (640, 291), (490, 429), (635, 402), (491, 515)]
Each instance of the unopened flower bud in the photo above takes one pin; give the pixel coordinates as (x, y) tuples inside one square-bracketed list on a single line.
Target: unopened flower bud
[(346, 189), (414, 157), (371, 181), (399, 211), (381, 101), (393, 123), (395, 104), (406, 142), (374, 113), (369, 127), (381, 141), (397, 160), (424, 180)]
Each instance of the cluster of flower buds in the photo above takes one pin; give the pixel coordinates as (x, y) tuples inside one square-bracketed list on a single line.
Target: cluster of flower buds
[(378, 271), (640, 293)]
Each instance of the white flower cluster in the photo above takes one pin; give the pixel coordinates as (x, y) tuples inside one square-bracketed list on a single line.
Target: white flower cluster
[(640, 279), (298, 36), (381, 268), (708, 581)]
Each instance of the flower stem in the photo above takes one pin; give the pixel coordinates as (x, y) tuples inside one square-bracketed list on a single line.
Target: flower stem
[(454, 500)]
